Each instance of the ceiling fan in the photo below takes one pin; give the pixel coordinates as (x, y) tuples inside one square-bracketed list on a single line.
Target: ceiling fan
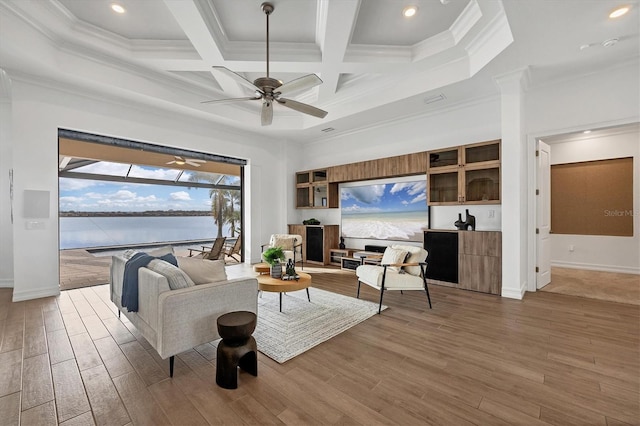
[(181, 161), (270, 90)]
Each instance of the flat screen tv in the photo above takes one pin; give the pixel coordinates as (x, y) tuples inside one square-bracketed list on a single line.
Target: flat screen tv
[(385, 211)]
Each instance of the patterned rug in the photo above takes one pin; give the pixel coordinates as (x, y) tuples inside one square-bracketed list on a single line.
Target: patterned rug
[(302, 325)]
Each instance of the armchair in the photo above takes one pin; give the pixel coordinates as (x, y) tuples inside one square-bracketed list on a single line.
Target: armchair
[(291, 246), (401, 268)]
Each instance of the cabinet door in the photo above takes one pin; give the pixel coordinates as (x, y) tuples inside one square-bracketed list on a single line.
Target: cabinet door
[(482, 185), (443, 188), (482, 154), (303, 196), (444, 159), (315, 244)]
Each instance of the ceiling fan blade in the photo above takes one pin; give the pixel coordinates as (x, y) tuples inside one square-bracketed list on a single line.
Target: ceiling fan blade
[(236, 77), (302, 83), (304, 108), (267, 113), (229, 100), (193, 163), (170, 162)]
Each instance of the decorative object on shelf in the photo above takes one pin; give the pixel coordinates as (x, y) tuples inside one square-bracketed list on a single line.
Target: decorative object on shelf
[(274, 256), (290, 272), (468, 224), (341, 245), (312, 221)]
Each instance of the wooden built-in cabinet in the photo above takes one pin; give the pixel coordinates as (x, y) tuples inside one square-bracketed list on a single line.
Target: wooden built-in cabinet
[(313, 190), (476, 255), (468, 174), (317, 241)]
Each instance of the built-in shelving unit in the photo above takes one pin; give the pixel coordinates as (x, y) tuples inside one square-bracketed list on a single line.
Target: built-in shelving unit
[(468, 174)]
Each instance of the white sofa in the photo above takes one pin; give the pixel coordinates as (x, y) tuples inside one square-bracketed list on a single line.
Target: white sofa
[(174, 321)]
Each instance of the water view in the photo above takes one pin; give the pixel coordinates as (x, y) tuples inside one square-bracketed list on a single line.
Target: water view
[(99, 231)]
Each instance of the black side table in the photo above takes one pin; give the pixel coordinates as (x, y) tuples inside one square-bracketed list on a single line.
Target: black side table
[(237, 349)]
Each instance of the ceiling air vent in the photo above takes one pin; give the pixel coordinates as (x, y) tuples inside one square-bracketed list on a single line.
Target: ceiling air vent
[(435, 98)]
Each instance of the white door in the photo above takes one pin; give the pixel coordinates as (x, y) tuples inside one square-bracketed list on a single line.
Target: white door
[(543, 215)]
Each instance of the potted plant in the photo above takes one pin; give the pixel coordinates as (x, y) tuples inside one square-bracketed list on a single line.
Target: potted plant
[(274, 256)]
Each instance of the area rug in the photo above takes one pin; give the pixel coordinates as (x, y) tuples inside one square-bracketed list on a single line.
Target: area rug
[(302, 325)]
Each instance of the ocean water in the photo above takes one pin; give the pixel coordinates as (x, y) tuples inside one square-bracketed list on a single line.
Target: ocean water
[(87, 232), (408, 226)]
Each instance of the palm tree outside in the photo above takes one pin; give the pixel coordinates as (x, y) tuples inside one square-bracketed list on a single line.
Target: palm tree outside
[(225, 203)]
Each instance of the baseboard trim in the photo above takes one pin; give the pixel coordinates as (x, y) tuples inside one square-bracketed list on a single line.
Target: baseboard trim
[(592, 267), (514, 293), (34, 294), (6, 283)]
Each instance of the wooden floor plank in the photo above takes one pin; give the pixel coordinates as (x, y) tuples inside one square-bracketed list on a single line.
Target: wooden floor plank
[(85, 352), (143, 363), (139, 402), (37, 387), (85, 419), (105, 402), (71, 399), (42, 415), (10, 409), (35, 341), (112, 357), (73, 323), (10, 372), (175, 404), (59, 346)]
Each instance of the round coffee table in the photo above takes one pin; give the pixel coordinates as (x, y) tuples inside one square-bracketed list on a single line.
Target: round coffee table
[(276, 285)]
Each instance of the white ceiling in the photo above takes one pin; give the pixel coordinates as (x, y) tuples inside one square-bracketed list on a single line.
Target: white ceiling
[(376, 65)]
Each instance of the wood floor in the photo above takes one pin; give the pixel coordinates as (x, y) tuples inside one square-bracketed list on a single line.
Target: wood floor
[(549, 359)]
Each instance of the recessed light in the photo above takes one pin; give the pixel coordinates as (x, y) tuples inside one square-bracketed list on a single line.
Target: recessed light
[(587, 132), (409, 11), (117, 8), (619, 12)]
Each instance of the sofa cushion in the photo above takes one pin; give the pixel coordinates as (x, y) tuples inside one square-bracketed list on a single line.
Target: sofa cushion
[(175, 276), (416, 254), (203, 271), (392, 256)]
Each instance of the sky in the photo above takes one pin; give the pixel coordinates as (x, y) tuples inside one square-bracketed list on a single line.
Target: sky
[(390, 197), (99, 196)]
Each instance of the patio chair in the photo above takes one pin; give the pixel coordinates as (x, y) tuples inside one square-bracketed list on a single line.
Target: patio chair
[(235, 249), (212, 253)]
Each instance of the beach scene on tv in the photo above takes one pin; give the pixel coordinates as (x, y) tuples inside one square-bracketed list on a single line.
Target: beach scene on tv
[(389, 211)]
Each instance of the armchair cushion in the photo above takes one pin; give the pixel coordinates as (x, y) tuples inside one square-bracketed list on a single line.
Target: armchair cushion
[(372, 275), (174, 275), (393, 256), (286, 243), (416, 255), (202, 271)]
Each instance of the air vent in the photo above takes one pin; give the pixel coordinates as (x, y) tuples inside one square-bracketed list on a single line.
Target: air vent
[(328, 129), (433, 99)]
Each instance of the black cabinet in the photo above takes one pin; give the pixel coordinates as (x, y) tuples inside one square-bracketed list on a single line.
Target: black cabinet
[(442, 260), (315, 246)]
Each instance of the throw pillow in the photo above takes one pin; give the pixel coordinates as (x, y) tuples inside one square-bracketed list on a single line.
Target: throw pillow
[(160, 251), (393, 256), (416, 255), (176, 278), (202, 271), (286, 243)]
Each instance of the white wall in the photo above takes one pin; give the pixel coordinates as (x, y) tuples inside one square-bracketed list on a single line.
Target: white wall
[(6, 234), (605, 253), (36, 114)]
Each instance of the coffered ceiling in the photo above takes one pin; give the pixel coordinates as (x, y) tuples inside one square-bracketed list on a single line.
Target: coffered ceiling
[(375, 64)]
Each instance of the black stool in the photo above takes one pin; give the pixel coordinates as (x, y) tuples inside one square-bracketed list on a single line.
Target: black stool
[(237, 348)]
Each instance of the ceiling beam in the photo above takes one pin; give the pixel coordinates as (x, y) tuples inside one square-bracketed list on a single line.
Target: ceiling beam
[(194, 24), (334, 28)]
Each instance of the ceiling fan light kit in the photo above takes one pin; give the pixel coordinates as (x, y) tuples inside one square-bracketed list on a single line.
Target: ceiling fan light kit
[(270, 90)]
